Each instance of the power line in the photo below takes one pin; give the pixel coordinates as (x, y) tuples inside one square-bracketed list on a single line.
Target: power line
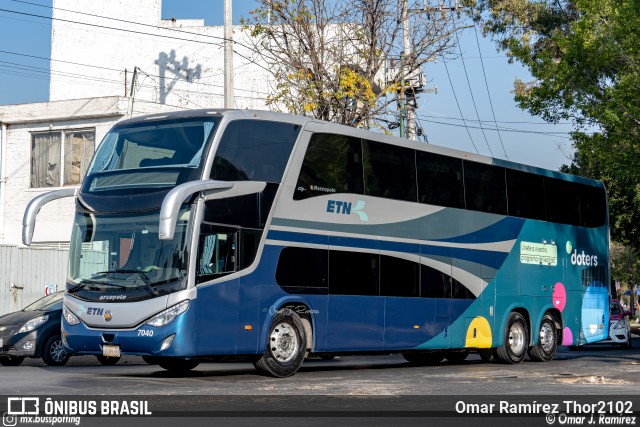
[(519, 122), (503, 129), (489, 92), (458, 104), (176, 30), (104, 68), (473, 100)]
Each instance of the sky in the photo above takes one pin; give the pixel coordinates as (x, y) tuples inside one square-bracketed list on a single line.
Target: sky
[(474, 91)]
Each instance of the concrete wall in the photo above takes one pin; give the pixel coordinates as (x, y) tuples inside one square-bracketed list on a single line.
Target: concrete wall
[(181, 61), (26, 272)]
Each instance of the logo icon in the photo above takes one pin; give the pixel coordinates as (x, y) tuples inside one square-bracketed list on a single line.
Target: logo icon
[(107, 316), (346, 208), (9, 420)]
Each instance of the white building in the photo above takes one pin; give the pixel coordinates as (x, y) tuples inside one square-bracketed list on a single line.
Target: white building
[(109, 60)]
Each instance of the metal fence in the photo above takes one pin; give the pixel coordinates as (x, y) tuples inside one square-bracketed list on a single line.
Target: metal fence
[(25, 274)]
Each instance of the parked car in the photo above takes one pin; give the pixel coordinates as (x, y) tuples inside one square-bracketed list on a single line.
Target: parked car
[(619, 326), (33, 331)]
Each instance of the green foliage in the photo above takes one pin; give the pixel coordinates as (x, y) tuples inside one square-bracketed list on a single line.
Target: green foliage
[(584, 56)]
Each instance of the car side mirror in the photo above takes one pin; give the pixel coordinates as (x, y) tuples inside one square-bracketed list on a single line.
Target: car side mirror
[(627, 313)]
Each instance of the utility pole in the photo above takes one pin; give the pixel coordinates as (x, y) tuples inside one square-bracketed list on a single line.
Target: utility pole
[(228, 55), (406, 103), (404, 17), (406, 109)]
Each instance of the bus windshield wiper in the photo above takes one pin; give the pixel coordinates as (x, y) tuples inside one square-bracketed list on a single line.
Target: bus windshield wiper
[(85, 282), (140, 273)]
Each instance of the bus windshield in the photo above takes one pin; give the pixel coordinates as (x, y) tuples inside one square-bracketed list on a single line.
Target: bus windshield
[(122, 254), (155, 154)]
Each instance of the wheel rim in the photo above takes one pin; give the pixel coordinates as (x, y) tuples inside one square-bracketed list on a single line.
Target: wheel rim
[(57, 351), (547, 337), (284, 342), (516, 338)]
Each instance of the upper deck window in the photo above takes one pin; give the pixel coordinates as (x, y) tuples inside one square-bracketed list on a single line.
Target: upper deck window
[(150, 154), (332, 164), (254, 150)]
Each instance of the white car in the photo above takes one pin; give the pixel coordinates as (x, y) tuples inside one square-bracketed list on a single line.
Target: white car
[(619, 327)]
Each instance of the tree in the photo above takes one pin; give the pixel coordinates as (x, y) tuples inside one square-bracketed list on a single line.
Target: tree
[(625, 267), (328, 57), (584, 56)]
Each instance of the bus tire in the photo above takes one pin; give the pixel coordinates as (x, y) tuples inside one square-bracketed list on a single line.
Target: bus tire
[(547, 345), (515, 342), (424, 358), (177, 365), (286, 346)]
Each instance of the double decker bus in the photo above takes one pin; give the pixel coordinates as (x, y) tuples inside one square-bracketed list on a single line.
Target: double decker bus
[(213, 235)]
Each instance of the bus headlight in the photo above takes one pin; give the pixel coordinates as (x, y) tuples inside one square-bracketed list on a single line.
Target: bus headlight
[(33, 323), (71, 318), (165, 317)]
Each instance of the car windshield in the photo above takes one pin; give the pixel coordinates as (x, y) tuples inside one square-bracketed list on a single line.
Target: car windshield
[(45, 303), (614, 308), (122, 254)]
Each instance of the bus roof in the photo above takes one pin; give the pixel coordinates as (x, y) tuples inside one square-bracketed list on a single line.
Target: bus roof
[(316, 125)]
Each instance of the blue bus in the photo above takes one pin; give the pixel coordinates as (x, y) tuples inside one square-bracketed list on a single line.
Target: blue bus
[(212, 235)]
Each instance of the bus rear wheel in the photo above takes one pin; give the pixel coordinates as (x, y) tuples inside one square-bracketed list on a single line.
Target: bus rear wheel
[(286, 346), (515, 341), (547, 344)]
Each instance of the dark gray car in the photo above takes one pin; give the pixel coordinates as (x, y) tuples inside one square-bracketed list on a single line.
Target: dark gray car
[(33, 331)]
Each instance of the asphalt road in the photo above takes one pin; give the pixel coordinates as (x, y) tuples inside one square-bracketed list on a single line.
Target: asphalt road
[(596, 369), (368, 389)]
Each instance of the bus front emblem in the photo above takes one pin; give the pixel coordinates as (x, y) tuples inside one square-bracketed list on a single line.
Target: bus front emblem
[(107, 316)]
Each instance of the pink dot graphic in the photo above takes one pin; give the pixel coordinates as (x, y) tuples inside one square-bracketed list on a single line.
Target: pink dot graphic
[(567, 337), (559, 296)]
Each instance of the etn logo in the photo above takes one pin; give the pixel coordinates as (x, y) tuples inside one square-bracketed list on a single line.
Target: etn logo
[(341, 207)]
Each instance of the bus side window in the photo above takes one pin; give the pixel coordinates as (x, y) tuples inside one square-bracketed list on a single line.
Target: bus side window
[(485, 188), (216, 254), (390, 171), (332, 164)]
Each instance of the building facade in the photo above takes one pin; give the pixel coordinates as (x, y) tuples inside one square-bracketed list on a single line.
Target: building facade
[(109, 61)]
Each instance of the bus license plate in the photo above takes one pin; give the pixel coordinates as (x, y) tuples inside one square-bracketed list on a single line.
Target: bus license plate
[(111, 350)]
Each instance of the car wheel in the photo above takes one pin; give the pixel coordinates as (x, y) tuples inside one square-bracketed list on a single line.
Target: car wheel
[(107, 361), (11, 361), (53, 353)]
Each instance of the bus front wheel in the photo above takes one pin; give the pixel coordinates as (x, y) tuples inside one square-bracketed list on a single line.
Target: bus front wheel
[(286, 346), (515, 342), (547, 344)]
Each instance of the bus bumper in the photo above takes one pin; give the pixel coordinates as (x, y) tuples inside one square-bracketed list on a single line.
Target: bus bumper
[(173, 339)]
